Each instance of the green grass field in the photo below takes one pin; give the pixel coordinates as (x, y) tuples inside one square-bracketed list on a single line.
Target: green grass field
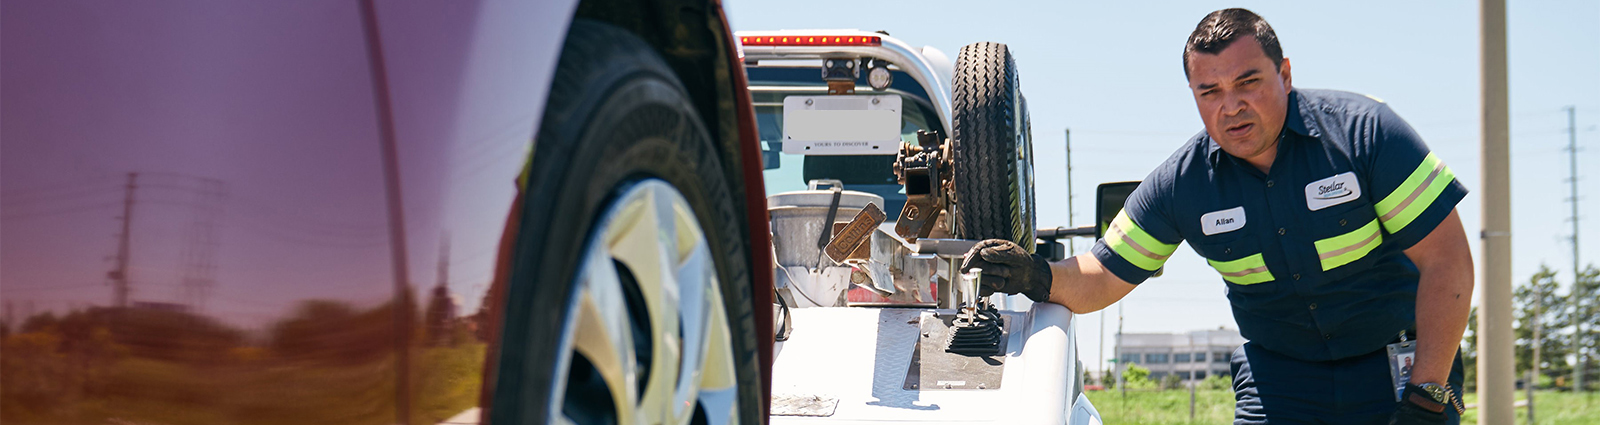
[(1553, 408), (1147, 407)]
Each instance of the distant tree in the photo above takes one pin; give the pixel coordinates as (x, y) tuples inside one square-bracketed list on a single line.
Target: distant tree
[(1217, 382), (1584, 313), (39, 322), (440, 318), (1171, 382), (1539, 297), (1469, 351), (1137, 377), (330, 331)]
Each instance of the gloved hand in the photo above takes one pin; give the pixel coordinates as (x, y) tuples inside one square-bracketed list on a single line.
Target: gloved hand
[(1411, 413), (1010, 269)]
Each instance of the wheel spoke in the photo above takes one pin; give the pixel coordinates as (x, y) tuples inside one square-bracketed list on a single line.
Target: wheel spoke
[(603, 335), (652, 234), (697, 278), (719, 390)]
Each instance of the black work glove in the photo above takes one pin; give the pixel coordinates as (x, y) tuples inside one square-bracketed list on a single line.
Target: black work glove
[(1410, 412), (1009, 268)]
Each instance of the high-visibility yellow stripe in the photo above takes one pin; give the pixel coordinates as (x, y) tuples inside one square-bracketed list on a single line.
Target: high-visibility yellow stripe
[(1131, 242), (1415, 194), (1343, 249), (1244, 271)]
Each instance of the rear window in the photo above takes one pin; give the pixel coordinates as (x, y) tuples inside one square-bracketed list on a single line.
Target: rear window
[(866, 173)]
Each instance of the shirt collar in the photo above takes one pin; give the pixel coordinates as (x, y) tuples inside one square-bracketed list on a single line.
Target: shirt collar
[(1299, 122)]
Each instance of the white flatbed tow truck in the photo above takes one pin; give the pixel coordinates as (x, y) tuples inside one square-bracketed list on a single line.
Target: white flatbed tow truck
[(877, 323)]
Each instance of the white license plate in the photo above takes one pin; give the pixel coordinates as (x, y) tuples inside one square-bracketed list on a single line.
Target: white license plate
[(841, 125)]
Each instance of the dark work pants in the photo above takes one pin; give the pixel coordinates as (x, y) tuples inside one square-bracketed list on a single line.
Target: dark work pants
[(1270, 388)]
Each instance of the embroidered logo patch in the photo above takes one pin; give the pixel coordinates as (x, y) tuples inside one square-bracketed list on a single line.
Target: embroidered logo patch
[(1339, 189), (1224, 221)]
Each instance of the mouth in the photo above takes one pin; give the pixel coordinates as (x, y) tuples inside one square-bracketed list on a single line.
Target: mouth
[(1240, 130)]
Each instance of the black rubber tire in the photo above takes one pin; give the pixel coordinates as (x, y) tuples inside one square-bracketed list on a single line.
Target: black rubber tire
[(989, 130), (616, 114), (1030, 204)]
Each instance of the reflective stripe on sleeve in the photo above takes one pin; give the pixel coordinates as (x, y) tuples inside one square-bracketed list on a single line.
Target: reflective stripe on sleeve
[(1133, 244), (1343, 249), (1414, 195), (1244, 271)]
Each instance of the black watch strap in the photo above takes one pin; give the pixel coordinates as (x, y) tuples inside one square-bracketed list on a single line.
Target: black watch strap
[(1420, 397), (1426, 403)]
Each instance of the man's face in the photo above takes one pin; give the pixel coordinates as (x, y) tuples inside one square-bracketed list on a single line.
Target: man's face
[(1408, 361), (1242, 98)]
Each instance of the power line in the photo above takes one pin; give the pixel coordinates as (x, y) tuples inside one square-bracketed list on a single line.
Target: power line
[(24, 200), (58, 211)]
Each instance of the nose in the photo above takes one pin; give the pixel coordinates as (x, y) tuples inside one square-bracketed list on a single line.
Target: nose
[(1233, 106)]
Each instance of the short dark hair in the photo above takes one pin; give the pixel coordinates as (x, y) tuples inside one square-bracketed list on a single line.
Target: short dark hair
[(1221, 28)]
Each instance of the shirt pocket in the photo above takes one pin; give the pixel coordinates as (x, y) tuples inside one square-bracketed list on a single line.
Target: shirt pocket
[(1347, 239), (1239, 259)]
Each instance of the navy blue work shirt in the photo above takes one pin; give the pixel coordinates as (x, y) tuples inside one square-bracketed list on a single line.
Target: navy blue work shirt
[(1312, 253)]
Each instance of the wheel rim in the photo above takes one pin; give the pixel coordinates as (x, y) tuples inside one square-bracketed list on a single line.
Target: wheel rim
[(645, 328)]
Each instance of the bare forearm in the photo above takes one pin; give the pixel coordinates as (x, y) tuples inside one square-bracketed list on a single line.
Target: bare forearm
[(1082, 285), (1444, 297)]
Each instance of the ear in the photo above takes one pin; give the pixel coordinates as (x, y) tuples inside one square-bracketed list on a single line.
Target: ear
[(1284, 74)]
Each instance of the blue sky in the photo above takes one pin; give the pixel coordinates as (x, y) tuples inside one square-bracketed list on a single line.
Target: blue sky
[(1112, 72)]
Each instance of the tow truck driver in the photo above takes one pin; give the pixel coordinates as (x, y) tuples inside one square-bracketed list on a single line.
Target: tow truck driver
[(1331, 223)]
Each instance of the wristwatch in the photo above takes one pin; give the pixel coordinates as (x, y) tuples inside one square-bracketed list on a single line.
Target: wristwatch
[(1442, 395), (1439, 393)]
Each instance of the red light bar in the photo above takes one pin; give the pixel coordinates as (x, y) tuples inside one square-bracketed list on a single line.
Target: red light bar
[(812, 40)]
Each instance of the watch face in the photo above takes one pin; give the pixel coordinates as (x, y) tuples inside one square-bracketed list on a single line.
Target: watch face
[(1438, 392)]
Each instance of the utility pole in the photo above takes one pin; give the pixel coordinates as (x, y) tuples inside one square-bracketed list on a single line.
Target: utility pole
[(1072, 248), (1102, 366), (1572, 154), (1122, 384), (1496, 377), (119, 276)]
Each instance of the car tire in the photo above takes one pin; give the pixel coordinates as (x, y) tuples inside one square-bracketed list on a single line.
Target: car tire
[(619, 125), (992, 158)]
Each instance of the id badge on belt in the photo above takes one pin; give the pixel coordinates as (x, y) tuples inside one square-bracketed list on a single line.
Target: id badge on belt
[(1402, 355)]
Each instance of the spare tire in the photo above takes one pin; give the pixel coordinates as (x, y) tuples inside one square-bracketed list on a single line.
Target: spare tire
[(992, 156)]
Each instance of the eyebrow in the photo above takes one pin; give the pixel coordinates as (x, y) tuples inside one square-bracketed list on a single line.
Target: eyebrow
[(1247, 74)]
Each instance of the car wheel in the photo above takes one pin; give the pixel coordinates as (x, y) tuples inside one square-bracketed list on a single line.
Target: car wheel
[(630, 299), (991, 153)]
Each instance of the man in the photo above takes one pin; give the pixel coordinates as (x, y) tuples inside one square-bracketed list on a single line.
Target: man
[(1331, 223)]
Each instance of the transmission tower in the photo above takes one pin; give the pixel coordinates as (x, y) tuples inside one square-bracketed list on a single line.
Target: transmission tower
[(1572, 154), (119, 275), (200, 247)]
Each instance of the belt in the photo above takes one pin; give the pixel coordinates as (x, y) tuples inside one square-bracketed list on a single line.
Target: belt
[(1405, 335)]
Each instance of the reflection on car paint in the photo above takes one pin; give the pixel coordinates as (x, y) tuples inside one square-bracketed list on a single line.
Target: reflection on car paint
[(194, 204)]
